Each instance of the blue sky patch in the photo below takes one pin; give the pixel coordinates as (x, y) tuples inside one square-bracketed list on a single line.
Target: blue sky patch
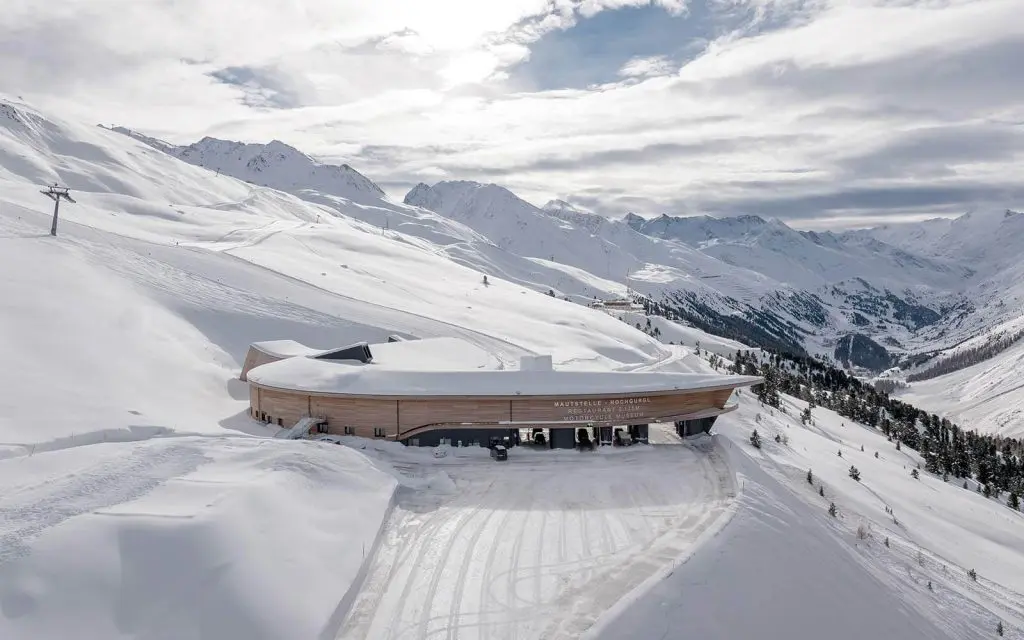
[(596, 48)]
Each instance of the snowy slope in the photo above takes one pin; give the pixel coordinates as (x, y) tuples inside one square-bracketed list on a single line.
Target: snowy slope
[(987, 396), (989, 243), (184, 537), (804, 289), (125, 435), (274, 164), (124, 428), (808, 260), (767, 282), (599, 246), (785, 563), (339, 190)]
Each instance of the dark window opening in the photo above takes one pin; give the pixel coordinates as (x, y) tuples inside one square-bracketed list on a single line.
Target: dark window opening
[(350, 431), (358, 352), (378, 432)]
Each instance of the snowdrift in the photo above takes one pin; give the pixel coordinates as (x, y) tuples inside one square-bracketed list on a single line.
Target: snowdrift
[(186, 537)]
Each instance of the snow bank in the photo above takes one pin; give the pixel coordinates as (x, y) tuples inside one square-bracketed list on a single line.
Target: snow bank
[(776, 569), (84, 351), (192, 537), (937, 530)]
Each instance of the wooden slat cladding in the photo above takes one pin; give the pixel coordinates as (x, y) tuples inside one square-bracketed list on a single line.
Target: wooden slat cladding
[(394, 417), (615, 410), (289, 407), (255, 358), (357, 412), (414, 413)]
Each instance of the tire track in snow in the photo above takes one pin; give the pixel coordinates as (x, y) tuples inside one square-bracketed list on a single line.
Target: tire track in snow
[(538, 563), (448, 544), (460, 583), (383, 575), (436, 538), (485, 581)]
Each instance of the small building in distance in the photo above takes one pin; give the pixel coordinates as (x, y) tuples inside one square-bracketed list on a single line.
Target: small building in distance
[(615, 304)]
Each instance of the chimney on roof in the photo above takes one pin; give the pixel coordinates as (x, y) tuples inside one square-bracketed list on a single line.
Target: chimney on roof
[(535, 363)]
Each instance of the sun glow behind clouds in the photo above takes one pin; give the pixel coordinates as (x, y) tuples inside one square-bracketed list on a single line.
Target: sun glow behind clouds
[(800, 109)]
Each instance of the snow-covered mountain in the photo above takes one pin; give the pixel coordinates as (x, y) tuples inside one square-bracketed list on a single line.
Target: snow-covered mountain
[(807, 259), (275, 164), (853, 297), (139, 499), (868, 298)]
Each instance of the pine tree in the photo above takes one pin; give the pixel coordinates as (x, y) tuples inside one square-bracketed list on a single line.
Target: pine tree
[(999, 628), (876, 454), (914, 474), (973, 575), (832, 509), (755, 439), (1014, 501), (854, 473), (887, 542), (821, 490), (810, 477), (805, 417), (930, 586)]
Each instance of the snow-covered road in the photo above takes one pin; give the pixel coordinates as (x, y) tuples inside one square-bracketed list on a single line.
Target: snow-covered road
[(538, 547)]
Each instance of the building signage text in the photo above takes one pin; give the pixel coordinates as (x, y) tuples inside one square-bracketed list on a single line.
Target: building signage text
[(603, 410)]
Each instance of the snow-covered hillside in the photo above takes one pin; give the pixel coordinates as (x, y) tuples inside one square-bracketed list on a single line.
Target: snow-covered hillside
[(831, 294), (125, 430), (982, 389), (139, 500), (873, 296), (274, 164)]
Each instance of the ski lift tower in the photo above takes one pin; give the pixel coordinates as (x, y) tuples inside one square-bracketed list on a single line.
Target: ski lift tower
[(56, 193)]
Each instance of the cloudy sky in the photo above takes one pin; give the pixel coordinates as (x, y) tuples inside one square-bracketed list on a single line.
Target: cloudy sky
[(820, 112)]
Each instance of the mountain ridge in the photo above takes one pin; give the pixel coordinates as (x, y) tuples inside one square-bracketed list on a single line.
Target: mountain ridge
[(811, 290)]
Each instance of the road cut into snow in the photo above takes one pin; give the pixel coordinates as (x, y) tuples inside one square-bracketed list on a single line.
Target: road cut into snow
[(539, 546), (778, 571)]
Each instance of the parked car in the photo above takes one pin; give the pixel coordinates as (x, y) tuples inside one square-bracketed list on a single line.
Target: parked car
[(538, 437), (583, 436), (499, 452), (622, 439)]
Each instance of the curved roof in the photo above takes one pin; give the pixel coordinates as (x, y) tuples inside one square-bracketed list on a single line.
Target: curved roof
[(318, 376), (427, 354)]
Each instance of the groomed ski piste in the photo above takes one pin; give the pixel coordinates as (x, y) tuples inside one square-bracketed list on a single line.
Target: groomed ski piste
[(138, 500)]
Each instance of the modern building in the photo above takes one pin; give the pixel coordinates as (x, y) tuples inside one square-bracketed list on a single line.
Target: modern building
[(421, 392)]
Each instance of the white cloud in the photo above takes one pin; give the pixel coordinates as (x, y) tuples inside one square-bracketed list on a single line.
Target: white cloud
[(831, 106), (646, 67), (589, 8)]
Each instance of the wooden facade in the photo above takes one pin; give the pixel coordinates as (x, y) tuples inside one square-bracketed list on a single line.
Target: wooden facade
[(255, 358), (398, 418)]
